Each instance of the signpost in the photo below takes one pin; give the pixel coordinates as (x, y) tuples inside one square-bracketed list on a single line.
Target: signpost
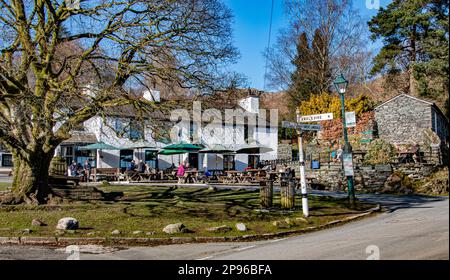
[(300, 129)]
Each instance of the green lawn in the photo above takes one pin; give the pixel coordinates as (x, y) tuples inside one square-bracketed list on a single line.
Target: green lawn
[(152, 208), (5, 186)]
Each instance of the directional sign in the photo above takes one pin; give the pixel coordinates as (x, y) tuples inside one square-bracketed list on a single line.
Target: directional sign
[(316, 118), (305, 127), (313, 127)]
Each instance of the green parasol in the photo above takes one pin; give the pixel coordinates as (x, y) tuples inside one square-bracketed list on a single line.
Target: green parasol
[(98, 146)]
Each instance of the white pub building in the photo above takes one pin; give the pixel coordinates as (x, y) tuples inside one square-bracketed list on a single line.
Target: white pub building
[(135, 142)]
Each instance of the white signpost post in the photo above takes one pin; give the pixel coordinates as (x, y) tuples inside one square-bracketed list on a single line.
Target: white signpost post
[(300, 128)]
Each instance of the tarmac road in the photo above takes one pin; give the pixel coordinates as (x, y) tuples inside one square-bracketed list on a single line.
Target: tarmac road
[(415, 227)]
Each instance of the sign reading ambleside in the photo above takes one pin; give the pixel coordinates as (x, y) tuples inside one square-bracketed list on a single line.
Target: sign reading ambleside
[(317, 118)]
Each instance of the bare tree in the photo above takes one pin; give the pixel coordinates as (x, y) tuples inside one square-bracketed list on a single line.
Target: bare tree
[(341, 46), (64, 62)]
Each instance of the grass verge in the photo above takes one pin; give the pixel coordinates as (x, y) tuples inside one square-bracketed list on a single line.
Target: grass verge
[(150, 209)]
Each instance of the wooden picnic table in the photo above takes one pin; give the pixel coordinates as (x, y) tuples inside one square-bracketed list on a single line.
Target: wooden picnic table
[(256, 174), (239, 177), (276, 175), (194, 175), (105, 173)]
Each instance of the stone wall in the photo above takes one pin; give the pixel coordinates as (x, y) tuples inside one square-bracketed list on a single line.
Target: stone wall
[(402, 120), (284, 151), (370, 178)]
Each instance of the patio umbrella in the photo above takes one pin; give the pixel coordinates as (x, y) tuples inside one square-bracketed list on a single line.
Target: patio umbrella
[(253, 149), (169, 152), (216, 149), (172, 152), (98, 146), (183, 146)]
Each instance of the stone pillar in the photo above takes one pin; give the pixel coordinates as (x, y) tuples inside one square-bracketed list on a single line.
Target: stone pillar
[(266, 193), (287, 190)]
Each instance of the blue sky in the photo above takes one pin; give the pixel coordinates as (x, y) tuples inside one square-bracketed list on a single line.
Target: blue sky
[(251, 32)]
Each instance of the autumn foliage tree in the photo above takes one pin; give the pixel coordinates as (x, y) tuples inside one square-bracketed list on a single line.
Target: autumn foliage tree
[(47, 89)]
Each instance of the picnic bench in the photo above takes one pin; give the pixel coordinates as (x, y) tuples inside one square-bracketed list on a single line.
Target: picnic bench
[(61, 180), (5, 172), (235, 177), (108, 174)]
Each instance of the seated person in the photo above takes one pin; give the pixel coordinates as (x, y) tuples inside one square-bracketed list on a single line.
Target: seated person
[(248, 168), (141, 166), (181, 172), (131, 166), (73, 169), (86, 170)]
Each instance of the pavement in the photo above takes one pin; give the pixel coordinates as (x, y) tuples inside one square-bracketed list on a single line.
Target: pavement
[(414, 227)]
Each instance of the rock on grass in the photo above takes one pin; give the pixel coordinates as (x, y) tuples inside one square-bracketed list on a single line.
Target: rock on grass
[(174, 228), (67, 223), (223, 228), (241, 227)]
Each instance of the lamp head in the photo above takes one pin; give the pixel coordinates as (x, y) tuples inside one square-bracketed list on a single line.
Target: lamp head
[(341, 84)]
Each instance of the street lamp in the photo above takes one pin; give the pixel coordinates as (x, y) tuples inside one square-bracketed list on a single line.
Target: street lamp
[(341, 87)]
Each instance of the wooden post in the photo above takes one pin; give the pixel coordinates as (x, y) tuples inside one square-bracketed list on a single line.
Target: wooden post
[(266, 193), (287, 189)]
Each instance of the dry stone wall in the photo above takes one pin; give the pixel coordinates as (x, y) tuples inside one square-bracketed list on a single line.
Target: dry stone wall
[(369, 178)]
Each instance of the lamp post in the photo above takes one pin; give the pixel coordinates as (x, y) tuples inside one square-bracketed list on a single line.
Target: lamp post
[(304, 189), (341, 86)]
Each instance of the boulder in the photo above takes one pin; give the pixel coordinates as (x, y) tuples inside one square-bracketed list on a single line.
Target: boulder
[(280, 224), (241, 227), (67, 223), (136, 232), (116, 232), (302, 220), (290, 222), (174, 228), (27, 231), (37, 223), (223, 228)]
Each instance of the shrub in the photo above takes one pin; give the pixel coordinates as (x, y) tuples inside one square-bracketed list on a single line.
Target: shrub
[(380, 152), (331, 103)]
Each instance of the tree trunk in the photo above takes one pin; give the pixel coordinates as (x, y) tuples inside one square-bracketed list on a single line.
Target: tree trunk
[(30, 183)]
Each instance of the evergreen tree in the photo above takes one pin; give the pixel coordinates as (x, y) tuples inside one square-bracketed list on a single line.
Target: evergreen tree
[(301, 83), (415, 42)]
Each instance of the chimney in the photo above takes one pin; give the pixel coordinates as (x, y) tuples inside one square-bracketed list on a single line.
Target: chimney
[(251, 102)]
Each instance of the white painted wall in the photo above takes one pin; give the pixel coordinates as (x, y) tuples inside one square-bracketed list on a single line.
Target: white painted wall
[(230, 136)]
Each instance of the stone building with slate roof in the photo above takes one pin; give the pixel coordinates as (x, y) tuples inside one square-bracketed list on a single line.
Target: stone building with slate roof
[(407, 120)]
